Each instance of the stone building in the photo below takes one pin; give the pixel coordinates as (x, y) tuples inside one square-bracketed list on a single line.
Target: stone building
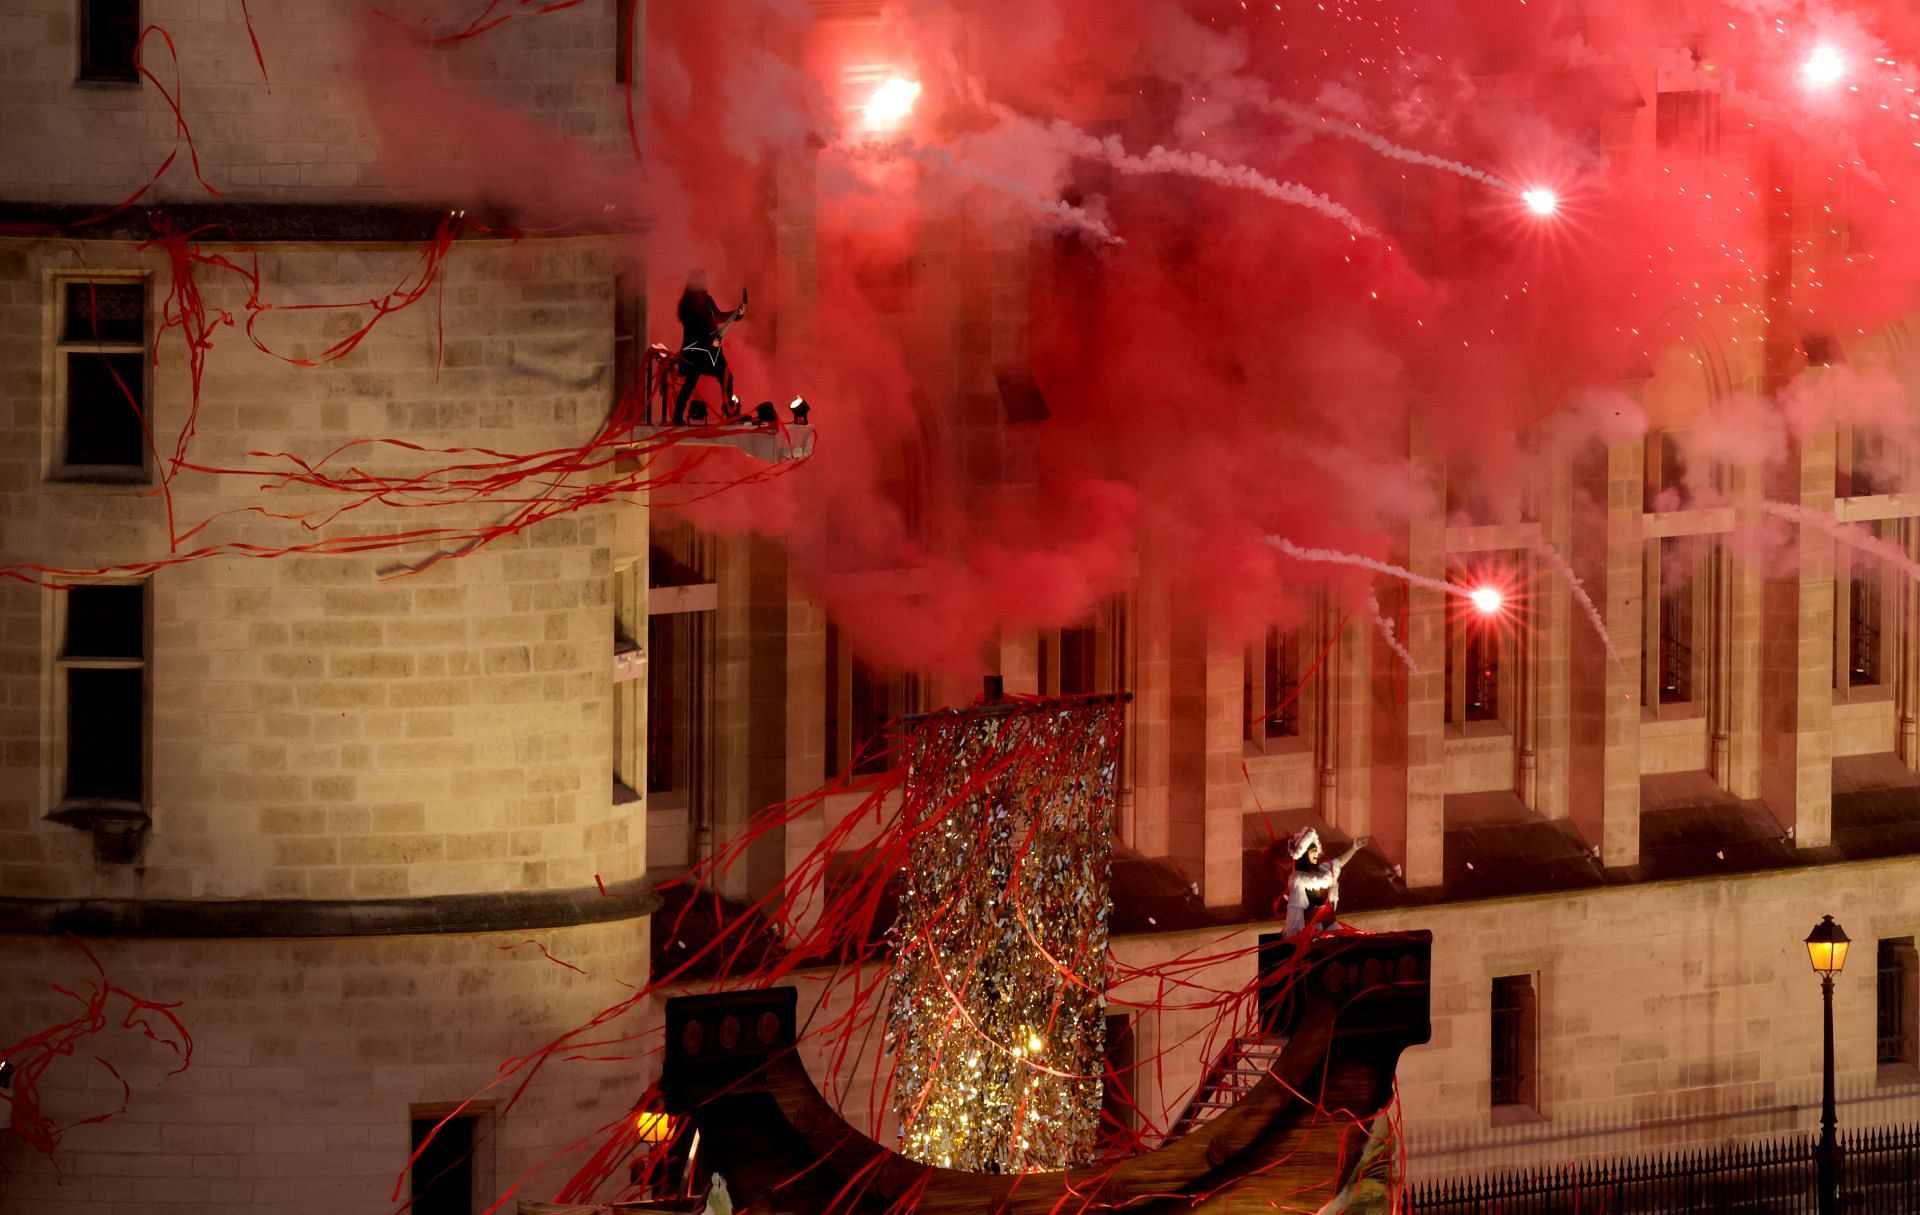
[(337, 814), (326, 808), (1618, 850)]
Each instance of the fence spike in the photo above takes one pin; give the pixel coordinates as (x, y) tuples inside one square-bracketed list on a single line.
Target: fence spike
[(1752, 1175)]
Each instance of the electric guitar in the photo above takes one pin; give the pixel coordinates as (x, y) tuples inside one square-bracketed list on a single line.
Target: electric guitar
[(710, 346)]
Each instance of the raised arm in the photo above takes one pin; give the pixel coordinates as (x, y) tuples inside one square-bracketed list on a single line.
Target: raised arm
[(1340, 862)]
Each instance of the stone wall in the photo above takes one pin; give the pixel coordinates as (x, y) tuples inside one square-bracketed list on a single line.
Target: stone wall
[(1670, 1013), (308, 1056), (320, 727), (312, 129)]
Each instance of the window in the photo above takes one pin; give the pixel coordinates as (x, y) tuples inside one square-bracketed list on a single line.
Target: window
[(1897, 1008), (663, 675), (1270, 705), (1860, 649), (450, 1172), (101, 378), (1687, 120), (623, 23), (629, 345), (674, 694), (1474, 647), (861, 701), (109, 37), (1086, 658), (1863, 469), (1020, 394), (1863, 629), (1665, 484), (1676, 645), (1117, 1102), (1675, 600), (1515, 1025), (1079, 672), (630, 682), (103, 676)]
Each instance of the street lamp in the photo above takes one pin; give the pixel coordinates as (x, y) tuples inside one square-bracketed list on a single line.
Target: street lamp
[(1827, 950)]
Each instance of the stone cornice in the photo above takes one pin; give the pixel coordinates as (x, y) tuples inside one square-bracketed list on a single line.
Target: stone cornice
[(253, 918)]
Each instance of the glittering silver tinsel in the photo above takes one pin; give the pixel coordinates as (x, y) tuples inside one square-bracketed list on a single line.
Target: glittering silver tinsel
[(998, 1010)]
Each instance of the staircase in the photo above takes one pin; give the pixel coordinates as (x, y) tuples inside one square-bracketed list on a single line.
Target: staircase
[(1244, 1063)]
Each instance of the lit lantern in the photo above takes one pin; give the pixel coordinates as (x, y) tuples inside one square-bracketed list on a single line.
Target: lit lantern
[(1827, 947), (651, 1126)]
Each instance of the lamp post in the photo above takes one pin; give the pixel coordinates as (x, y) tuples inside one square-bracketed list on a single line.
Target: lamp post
[(1827, 950)]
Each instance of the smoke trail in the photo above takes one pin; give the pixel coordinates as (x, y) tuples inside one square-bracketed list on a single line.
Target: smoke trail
[(1059, 212), (1386, 147), (1331, 556), (1847, 534), (1192, 164), (1580, 596), (1386, 630)]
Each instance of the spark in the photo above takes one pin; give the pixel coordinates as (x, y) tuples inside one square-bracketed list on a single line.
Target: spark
[(893, 101), (1540, 200), (1824, 67), (1487, 600)]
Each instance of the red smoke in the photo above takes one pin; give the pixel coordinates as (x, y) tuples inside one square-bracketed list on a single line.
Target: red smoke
[(1239, 364)]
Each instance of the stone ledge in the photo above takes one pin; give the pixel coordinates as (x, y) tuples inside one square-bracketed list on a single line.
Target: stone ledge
[(254, 918), (259, 222)]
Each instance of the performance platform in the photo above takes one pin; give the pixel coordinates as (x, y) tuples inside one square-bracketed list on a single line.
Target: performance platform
[(1313, 1135), (769, 445)]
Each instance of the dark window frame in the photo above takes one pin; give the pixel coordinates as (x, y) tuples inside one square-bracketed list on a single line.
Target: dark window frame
[(1087, 657), (1119, 1106), (1272, 672), (1476, 657), (99, 63), (1665, 468), (1860, 466), (679, 657), (473, 1140), (1897, 1007), (1514, 1043), (131, 371), (1676, 623), (860, 700), (1687, 120), (630, 342), (624, 58), (1865, 632), (665, 623), (80, 784), (1864, 614)]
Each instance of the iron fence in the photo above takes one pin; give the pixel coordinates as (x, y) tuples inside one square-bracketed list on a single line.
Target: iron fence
[(1879, 1175)]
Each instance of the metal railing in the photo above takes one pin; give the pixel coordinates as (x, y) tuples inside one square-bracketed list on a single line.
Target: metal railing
[(1879, 1175)]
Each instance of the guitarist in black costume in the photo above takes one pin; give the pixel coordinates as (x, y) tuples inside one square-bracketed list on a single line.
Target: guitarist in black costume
[(702, 324)]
